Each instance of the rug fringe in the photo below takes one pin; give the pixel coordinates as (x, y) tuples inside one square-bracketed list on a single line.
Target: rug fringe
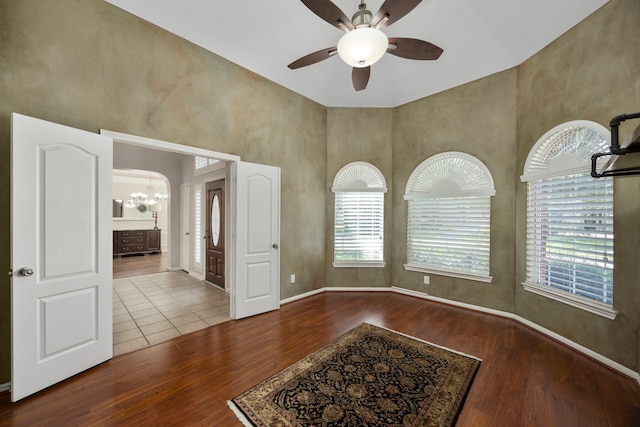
[(245, 422), (426, 342)]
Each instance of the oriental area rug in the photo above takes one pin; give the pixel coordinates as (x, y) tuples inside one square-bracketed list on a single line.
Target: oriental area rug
[(370, 376)]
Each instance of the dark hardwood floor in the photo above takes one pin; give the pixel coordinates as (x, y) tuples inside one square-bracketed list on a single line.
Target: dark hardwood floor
[(525, 379)]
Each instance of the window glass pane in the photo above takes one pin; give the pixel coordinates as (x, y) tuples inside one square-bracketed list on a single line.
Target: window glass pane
[(359, 226), (449, 215), (569, 216), (570, 235), (200, 162), (197, 225), (450, 234), (215, 221)]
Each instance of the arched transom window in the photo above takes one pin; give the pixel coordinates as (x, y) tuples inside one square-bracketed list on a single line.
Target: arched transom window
[(570, 219), (359, 189), (449, 216)]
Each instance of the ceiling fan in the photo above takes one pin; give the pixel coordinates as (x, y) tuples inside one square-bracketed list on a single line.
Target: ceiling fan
[(364, 43)]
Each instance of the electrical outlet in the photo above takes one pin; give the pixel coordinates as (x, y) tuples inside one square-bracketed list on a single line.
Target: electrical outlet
[(293, 278), (426, 280)]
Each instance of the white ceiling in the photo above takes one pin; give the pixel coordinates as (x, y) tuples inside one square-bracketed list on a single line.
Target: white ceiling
[(479, 38)]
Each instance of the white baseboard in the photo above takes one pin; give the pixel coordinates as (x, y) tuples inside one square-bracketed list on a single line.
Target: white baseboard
[(198, 276), (336, 289), (301, 296), (5, 387), (557, 337), (553, 335)]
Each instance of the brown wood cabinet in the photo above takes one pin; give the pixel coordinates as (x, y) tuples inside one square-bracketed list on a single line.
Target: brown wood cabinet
[(135, 242)]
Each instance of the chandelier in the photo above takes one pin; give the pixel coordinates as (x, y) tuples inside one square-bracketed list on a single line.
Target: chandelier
[(149, 198)]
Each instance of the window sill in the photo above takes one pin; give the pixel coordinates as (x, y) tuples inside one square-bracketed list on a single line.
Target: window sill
[(359, 264), (594, 307), (456, 274)]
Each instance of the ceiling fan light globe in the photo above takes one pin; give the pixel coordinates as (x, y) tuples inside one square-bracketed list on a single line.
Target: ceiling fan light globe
[(362, 47)]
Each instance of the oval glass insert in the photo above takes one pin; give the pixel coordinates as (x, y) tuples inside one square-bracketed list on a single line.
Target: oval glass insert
[(215, 221)]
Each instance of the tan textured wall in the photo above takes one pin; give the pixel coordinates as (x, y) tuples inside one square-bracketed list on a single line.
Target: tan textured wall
[(90, 65), (359, 134), (478, 118), (590, 73)]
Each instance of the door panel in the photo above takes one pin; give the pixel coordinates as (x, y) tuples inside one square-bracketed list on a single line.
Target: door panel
[(60, 313), (61, 290), (257, 227), (215, 225), (62, 196)]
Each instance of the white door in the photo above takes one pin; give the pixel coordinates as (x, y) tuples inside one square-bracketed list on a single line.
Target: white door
[(185, 227), (61, 290), (257, 236)]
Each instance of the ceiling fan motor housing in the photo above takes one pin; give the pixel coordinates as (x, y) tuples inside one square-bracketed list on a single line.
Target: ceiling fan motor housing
[(362, 18)]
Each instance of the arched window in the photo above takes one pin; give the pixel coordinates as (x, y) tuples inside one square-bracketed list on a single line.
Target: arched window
[(449, 216), (359, 216), (570, 219)]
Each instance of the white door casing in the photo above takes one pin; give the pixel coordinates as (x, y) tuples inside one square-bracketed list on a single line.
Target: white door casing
[(256, 198), (245, 301), (185, 227), (61, 253)]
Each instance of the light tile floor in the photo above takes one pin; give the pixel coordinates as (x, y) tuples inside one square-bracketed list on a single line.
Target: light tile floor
[(153, 308)]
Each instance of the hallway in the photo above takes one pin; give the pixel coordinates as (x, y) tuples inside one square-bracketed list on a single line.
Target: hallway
[(152, 308)]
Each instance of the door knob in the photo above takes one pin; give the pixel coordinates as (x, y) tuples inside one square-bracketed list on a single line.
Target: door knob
[(26, 272), (275, 246)]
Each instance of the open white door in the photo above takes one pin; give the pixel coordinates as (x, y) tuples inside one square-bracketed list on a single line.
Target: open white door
[(257, 237), (61, 290)]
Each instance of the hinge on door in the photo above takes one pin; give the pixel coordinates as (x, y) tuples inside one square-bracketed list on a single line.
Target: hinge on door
[(11, 273)]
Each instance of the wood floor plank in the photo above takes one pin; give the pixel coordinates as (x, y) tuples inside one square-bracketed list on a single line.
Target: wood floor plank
[(525, 379), (135, 265)]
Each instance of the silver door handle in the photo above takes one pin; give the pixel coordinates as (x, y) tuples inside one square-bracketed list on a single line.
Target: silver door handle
[(26, 272), (274, 246)]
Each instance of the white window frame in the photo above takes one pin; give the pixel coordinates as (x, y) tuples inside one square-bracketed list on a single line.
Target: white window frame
[(360, 181), (552, 160), (446, 180), (203, 165)]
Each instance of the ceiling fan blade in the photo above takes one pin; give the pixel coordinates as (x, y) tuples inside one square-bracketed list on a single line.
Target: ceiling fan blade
[(413, 49), (360, 77), (394, 10), (328, 11), (314, 57)]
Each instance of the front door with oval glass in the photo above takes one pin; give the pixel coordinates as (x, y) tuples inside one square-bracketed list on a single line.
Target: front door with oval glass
[(215, 233)]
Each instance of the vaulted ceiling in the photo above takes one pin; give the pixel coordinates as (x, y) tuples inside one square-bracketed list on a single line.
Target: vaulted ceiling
[(479, 38)]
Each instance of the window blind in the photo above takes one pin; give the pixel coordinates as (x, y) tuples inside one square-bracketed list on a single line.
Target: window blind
[(359, 226), (450, 234), (570, 235), (197, 224), (201, 162)]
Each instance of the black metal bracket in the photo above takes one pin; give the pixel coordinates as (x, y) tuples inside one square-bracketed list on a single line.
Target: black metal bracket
[(616, 150)]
